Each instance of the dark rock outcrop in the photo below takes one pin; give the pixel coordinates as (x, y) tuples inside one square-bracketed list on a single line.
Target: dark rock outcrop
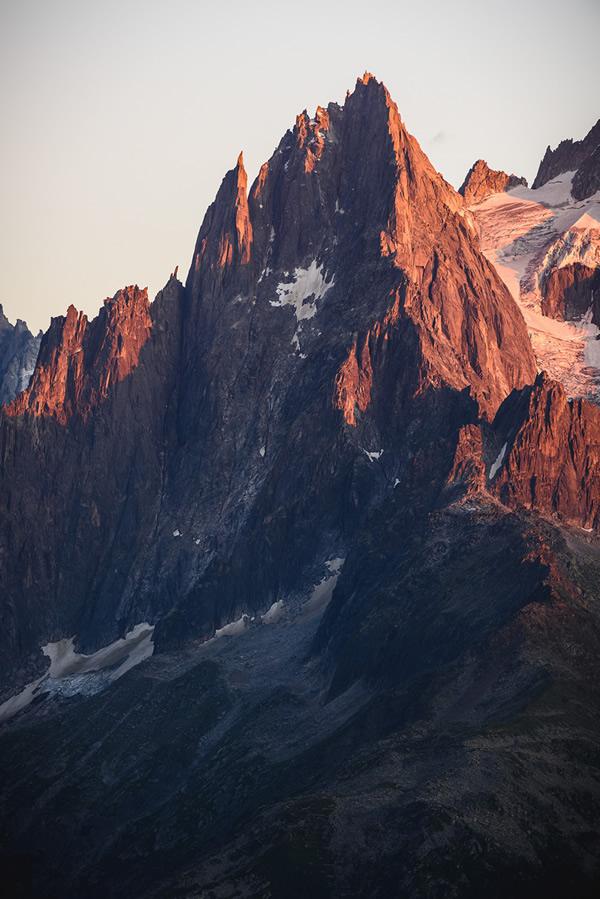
[(570, 292), (587, 178), (18, 354), (582, 156), (482, 181)]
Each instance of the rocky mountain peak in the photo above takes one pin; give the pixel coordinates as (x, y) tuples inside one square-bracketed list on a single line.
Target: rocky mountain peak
[(225, 238), (79, 360), (325, 460), (340, 310), (482, 181), (352, 183), (582, 157)]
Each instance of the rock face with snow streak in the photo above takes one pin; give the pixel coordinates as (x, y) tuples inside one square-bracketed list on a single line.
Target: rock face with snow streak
[(18, 354), (482, 181)]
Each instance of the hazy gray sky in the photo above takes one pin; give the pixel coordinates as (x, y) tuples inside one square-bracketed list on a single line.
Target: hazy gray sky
[(121, 118)]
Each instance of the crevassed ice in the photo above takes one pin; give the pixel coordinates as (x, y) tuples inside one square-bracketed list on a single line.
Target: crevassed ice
[(527, 233), (308, 282)]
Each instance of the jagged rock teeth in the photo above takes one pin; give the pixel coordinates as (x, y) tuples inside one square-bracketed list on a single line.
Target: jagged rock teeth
[(79, 360)]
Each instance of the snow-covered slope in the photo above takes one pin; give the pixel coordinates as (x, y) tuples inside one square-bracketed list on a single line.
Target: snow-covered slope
[(529, 234)]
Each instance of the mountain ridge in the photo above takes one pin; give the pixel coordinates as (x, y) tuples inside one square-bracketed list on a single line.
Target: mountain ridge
[(327, 478)]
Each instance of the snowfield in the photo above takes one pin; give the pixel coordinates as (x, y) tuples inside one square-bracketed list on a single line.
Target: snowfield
[(526, 234)]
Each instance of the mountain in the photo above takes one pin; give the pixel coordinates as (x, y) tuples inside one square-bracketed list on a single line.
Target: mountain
[(349, 253), (545, 245), (482, 181), (18, 354), (322, 504), (581, 157)]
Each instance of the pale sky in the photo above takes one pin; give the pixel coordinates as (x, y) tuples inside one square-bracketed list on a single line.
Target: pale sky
[(120, 119)]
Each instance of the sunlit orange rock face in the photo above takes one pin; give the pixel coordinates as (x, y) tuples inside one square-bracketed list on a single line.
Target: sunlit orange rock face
[(354, 381), (470, 332), (80, 360), (554, 463), (309, 136), (482, 182), (225, 238)]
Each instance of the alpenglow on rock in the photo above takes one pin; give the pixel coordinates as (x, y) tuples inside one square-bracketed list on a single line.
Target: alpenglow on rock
[(194, 414), (300, 561), (482, 181)]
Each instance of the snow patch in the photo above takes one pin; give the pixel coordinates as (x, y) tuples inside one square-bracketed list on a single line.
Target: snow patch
[(274, 613), (307, 282), (71, 672), (497, 463), (65, 661), (261, 451), (176, 533), (323, 591), (373, 456), (233, 629)]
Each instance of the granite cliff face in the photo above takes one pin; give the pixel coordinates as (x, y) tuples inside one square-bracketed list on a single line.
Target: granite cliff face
[(482, 181), (552, 457), (326, 472)]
